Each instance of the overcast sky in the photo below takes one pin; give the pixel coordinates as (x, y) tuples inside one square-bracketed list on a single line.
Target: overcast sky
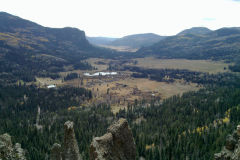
[(117, 18)]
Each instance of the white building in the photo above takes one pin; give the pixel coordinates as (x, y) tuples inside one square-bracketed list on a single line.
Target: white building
[(51, 86)]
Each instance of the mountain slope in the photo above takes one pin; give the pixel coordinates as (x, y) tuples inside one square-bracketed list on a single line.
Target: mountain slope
[(19, 33), (195, 30), (137, 40), (100, 40), (38, 50), (220, 44)]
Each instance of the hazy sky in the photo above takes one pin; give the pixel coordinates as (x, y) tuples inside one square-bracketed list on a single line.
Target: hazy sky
[(116, 18)]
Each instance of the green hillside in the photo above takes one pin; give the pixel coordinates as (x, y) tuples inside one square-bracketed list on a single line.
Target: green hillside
[(137, 40), (28, 49), (222, 44)]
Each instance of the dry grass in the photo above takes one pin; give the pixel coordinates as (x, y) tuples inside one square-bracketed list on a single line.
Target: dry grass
[(194, 65), (163, 89), (120, 48), (47, 81), (126, 90), (100, 67), (122, 89), (116, 108)]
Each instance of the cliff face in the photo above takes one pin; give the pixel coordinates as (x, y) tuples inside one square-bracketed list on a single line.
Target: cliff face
[(117, 143), (231, 150), (8, 151)]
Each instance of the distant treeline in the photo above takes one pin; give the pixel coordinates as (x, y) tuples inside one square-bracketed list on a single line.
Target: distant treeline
[(235, 68), (71, 76), (170, 75)]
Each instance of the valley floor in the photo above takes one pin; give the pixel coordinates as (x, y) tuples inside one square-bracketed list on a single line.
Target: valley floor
[(122, 89), (193, 65)]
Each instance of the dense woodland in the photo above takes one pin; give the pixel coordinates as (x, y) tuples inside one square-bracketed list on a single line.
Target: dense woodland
[(170, 75), (185, 126), (193, 125)]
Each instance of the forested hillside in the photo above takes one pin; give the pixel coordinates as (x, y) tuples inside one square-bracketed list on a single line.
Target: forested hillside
[(221, 44), (193, 125), (28, 49), (137, 40)]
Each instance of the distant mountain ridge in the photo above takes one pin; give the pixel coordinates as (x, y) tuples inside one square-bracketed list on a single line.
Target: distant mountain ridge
[(134, 41), (195, 30), (221, 44), (138, 40), (38, 50), (101, 40), (37, 36)]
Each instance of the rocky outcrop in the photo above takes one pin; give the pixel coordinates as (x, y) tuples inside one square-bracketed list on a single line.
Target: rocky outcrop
[(231, 150), (69, 150), (56, 152), (116, 144), (8, 151), (70, 146)]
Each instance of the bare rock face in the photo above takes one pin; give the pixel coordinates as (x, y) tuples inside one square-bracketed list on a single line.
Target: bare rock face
[(69, 150), (8, 151), (116, 144), (231, 151)]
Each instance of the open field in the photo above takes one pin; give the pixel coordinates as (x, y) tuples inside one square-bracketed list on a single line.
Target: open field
[(193, 65), (43, 82), (162, 89), (123, 89), (100, 67), (120, 48)]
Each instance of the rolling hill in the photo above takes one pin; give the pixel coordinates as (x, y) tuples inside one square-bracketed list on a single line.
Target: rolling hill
[(221, 44), (100, 40), (137, 40), (195, 30)]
